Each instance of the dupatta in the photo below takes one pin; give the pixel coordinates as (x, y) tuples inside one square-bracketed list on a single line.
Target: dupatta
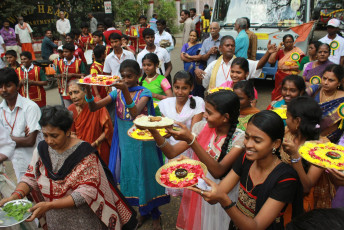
[(289, 59)]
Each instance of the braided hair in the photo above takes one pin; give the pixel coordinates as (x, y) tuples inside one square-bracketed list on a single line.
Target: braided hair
[(154, 59), (182, 75), (226, 101)]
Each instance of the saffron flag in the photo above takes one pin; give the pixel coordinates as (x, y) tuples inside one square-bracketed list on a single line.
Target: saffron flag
[(303, 30)]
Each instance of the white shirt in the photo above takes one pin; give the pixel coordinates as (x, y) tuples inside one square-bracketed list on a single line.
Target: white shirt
[(112, 62), (7, 145), (93, 24), (338, 52), (2, 64), (162, 54), (224, 72), (63, 26), (164, 36), (24, 35), (28, 116)]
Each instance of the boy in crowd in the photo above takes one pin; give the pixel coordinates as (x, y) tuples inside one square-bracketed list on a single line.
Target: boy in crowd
[(97, 68), (125, 44), (69, 68), (162, 37), (20, 118), (98, 40), (131, 32), (85, 39), (117, 56), (36, 80), (143, 26), (11, 58)]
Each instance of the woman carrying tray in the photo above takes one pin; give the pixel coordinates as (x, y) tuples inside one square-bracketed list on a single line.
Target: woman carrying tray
[(217, 143)]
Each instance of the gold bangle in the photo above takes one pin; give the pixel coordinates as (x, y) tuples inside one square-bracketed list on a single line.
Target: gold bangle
[(97, 143)]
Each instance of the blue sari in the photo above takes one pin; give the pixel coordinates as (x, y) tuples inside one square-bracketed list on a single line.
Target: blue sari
[(135, 162), (191, 66)]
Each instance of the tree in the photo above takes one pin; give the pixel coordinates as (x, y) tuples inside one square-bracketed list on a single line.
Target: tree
[(131, 9)]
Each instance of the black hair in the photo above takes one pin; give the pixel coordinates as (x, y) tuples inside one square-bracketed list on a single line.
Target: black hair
[(83, 25), (69, 46), (321, 219), (48, 30), (197, 34), (98, 51), (147, 32), (56, 116), (154, 15), (182, 75), (248, 22), (226, 101), (6, 21), (206, 6), (324, 44), (115, 36), (270, 123), (12, 53), (98, 34), (126, 37), (298, 81), (309, 111), (7, 75), (75, 32), (100, 24), (108, 22), (193, 9), (132, 65), (225, 38), (143, 16), (162, 22), (336, 69), (151, 57), (185, 12), (316, 44), (242, 63), (70, 35), (288, 36), (246, 87), (126, 19), (26, 54)]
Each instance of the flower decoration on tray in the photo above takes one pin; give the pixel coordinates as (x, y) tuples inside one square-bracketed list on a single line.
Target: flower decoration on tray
[(326, 155), (99, 80), (144, 135), (151, 122), (180, 174)]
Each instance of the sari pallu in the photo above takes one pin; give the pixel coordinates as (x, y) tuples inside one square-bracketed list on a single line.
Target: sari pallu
[(281, 74), (330, 115), (88, 126), (191, 66), (83, 171), (311, 71), (247, 113)]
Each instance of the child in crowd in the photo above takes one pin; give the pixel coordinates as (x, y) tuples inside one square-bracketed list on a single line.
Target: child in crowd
[(245, 91), (217, 143), (142, 27), (125, 44), (139, 160), (11, 58), (85, 39), (98, 39), (182, 108), (97, 68), (78, 52), (36, 80)]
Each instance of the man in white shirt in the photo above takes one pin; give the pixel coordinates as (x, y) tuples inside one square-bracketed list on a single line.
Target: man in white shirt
[(20, 117), (24, 36), (63, 27), (335, 41), (93, 23), (188, 25), (218, 71), (165, 66), (162, 37), (117, 56)]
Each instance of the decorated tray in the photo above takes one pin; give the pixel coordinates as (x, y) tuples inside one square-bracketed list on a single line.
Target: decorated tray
[(14, 212), (143, 135), (99, 80), (151, 122), (282, 112), (180, 174), (326, 155)]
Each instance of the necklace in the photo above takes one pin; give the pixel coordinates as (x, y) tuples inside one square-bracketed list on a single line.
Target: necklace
[(323, 99), (149, 80), (248, 175), (15, 119)]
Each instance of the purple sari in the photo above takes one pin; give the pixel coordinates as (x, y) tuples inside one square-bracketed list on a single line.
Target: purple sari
[(309, 71)]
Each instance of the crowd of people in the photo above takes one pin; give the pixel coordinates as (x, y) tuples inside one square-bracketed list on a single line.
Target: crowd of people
[(71, 159)]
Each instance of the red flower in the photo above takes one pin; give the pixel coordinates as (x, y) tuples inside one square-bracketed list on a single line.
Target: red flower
[(108, 82), (94, 75), (87, 80)]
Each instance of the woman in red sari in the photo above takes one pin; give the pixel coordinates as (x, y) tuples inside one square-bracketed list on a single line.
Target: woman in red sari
[(288, 59), (93, 127)]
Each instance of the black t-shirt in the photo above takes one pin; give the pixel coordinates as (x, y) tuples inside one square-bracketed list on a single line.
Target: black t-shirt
[(206, 14), (284, 190)]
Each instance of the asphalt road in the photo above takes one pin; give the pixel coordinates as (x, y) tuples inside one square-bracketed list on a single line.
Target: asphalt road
[(264, 88)]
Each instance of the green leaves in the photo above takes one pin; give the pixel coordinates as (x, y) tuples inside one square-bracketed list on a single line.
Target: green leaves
[(16, 211)]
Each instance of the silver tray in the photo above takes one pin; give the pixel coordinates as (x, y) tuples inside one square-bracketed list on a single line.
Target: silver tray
[(10, 221)]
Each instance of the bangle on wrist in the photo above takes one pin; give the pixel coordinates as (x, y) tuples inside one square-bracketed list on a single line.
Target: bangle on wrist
[(97, 143), (229, 206), (295, 160), (89, 100), (130, 105), (162, 145), (19, 195), (20, 191), (193, 140)]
